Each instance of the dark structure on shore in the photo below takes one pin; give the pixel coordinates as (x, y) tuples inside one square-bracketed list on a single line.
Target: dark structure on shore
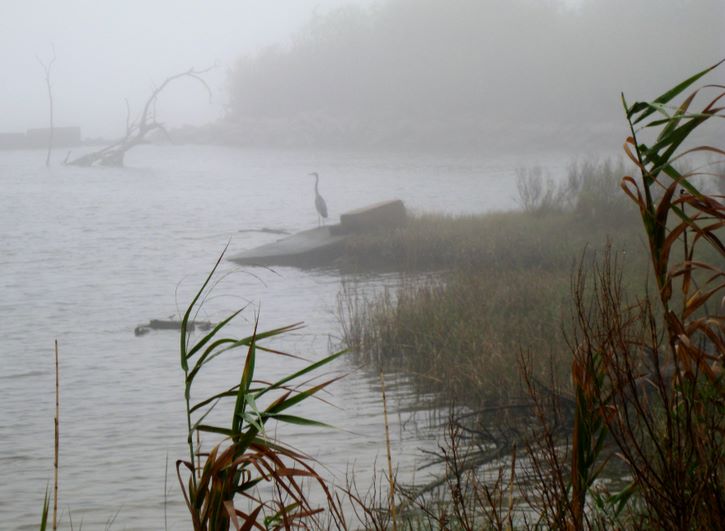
[(38, 138), (322, 246)]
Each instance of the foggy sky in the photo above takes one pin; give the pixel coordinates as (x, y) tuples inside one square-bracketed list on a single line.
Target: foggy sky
[(471, 74), (110, 50)]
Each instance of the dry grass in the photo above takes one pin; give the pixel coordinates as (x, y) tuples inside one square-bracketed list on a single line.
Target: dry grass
[(462, 337), (548, 234), (502, 285)]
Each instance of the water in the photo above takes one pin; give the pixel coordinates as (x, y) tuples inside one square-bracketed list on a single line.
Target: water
[(88, 254)]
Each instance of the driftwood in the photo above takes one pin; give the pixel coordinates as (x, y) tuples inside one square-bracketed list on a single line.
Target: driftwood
[(266, 230), (137, 130), (170, 324)]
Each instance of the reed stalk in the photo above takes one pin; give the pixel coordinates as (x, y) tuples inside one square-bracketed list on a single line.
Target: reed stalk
[(56, 439), (391, 478), (512, 484)]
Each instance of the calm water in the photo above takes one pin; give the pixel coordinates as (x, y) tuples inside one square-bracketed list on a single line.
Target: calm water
[(88, 254)]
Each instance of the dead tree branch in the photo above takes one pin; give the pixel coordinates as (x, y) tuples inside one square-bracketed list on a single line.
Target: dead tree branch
[(139, 129)]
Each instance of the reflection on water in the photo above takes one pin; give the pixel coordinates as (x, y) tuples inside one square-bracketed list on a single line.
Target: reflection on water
[(88, 254)]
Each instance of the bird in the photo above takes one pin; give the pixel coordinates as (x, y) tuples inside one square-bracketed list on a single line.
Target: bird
[(320, 204)]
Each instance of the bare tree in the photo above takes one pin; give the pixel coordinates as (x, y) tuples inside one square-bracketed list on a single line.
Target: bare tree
[(46, 68), (137, 130)]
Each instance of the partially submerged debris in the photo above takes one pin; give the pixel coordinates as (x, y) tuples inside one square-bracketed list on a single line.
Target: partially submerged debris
[(266, 230), (167, 324), (137, 130)]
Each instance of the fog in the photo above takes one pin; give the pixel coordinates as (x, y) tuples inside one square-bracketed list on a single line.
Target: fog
[(108, 51), (436, 168), (364, 73), (472, 73)]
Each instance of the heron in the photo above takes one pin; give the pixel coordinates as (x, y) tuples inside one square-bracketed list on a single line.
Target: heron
[(320, 204)]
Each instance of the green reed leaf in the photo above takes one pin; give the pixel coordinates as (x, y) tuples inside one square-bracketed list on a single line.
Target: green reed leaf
[(645, 109), (297, 398), (187, 315), (243, 390), (46, 506), (293, 419), (204, 340), (280, 383), (215, 429)]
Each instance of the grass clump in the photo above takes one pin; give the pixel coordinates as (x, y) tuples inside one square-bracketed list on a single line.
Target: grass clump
[(556, 222), (461, 336), (502, 283), (500, 240)]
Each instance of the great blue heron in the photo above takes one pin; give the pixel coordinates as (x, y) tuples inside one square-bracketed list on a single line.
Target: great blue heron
[(320, 204)]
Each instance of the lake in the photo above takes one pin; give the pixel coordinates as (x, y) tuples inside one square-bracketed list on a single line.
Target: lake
[(87, 254)]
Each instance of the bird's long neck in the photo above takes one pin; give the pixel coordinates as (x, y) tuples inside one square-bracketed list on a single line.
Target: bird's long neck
[(317, 178)]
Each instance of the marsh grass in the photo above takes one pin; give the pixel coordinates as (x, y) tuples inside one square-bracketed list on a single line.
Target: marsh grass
[(501, 283), (501, 240), (588, 207), (645, 397), (461, 338)]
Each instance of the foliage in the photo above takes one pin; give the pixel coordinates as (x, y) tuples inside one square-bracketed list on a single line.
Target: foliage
[(646, 400), (504, 286), (247, 458), (461, 76), (593, 189), (44, 516), (647, 375), (538, 191), (662, 396), (460, 334), (547, 239), (590, 191)]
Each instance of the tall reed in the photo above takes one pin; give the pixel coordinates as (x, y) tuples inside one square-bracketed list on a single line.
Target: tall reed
[(56, 439), (647, 373), (247, 458)]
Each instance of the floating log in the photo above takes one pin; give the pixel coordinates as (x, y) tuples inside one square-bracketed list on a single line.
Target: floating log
[(266, 230), (167, 324)]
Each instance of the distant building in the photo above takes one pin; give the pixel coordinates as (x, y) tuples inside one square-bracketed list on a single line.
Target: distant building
[(38, 138)]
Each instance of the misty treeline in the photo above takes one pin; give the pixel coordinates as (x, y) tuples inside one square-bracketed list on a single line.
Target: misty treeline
[(466, 72)]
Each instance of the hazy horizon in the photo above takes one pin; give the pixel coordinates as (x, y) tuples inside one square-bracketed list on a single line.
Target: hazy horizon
[(287, 70), (106, 52)]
